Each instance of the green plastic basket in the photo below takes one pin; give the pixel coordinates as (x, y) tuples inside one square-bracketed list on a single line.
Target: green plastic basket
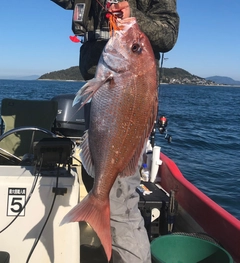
[(187, 249)]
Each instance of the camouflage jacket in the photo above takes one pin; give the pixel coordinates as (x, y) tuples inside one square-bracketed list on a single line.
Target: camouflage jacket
[(158, 19)]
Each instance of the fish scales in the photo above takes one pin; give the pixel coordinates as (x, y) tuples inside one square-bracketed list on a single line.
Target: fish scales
[(123, 111)]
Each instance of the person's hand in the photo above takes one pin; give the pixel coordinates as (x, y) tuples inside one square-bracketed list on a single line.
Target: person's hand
[(122, 7)]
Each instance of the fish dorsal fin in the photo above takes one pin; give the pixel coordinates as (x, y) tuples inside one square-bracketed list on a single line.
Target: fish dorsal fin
[(86, 157)]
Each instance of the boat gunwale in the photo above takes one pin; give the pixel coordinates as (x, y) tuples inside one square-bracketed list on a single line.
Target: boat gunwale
[(226, 229)]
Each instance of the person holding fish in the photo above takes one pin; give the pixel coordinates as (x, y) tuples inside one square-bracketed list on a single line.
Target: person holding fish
[(122, 70)]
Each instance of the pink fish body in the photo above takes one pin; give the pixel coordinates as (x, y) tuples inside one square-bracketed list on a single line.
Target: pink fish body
[(123, 111)]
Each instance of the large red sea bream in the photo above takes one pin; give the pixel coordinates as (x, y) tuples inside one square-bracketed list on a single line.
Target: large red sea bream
[(123, 111)]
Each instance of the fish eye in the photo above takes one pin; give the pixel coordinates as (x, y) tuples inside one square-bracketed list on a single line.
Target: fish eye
[(136, 47)]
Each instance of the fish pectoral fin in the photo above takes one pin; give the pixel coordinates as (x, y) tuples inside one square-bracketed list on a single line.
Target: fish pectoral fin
[(89, 89), (97, 214), (80, 96)]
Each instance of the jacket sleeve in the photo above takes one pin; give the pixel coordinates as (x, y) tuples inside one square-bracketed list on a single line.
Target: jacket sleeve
[(159, 20), (66, 4)]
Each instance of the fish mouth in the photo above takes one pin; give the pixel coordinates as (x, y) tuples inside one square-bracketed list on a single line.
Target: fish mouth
[(114, 60), (126, 23), (127, 20)]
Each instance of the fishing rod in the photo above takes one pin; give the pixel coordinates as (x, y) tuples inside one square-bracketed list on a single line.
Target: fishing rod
[(161, 122)]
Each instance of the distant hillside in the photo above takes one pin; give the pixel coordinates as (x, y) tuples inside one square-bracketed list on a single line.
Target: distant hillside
[(169, 75), (72, 73), (223, 80), (176, 73)]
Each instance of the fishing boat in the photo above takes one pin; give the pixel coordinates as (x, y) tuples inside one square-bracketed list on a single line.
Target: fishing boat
[(41, 180)]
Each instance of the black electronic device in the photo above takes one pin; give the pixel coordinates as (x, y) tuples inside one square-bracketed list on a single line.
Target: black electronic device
[(51, 151), (151, 196)]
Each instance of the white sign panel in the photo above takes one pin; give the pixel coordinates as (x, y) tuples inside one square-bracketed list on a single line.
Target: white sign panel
[(16, 201)]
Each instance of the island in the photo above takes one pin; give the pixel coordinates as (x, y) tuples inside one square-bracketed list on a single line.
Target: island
[(167, 75)]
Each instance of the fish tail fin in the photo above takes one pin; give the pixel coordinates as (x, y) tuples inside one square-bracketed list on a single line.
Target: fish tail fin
[(97, 214)]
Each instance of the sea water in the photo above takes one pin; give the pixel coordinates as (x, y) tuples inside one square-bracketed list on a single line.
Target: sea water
[(204, 122)]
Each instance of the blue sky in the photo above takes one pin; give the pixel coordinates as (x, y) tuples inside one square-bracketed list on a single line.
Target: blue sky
[(34, 38)]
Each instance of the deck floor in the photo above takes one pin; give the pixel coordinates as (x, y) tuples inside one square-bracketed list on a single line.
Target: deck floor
[(92, 254)]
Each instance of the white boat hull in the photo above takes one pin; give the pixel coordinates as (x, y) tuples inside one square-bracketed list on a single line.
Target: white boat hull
[(57, 243)]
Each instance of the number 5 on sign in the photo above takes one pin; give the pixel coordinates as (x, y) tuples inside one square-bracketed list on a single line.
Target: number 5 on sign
[(16, 201)]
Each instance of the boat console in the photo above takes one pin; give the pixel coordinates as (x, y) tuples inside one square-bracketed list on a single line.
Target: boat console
[(39, 184)]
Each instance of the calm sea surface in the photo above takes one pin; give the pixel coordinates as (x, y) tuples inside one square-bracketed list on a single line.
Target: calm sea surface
[(204, 123)]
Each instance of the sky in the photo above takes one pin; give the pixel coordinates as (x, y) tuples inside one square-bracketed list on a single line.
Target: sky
[(34, 38)]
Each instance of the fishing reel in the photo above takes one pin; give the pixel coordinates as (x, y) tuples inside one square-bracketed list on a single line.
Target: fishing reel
[(162, 128)]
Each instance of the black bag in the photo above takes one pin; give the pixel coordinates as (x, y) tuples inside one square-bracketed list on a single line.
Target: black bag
[(81, 21)]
